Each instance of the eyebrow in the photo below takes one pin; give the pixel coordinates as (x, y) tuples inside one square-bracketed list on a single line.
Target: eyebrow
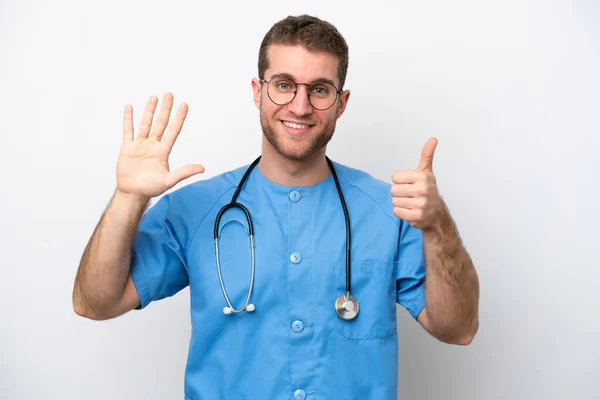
[(291, 78)]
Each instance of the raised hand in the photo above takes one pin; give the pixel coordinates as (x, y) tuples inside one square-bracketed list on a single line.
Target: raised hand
[(414, 193), (143, 165)]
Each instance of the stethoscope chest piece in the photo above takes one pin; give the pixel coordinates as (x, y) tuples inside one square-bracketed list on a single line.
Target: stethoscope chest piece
[(346, 306)]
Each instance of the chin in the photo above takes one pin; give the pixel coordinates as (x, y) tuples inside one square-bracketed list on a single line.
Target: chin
[(296, 146), (294, 153)]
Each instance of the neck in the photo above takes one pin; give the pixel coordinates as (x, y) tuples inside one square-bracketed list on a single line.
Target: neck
[(286, 172)]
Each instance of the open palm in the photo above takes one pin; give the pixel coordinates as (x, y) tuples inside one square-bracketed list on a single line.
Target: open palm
[(143, 166)]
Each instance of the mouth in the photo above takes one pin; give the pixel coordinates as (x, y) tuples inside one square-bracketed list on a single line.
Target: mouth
[(296, 128)]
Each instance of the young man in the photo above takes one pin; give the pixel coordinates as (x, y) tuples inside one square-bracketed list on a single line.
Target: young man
[(306, 307)]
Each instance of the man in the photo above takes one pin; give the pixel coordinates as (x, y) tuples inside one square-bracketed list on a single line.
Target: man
[(274, 318)]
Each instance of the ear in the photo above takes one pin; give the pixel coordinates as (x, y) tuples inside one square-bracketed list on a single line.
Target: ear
[(257, 90), (343, 102)]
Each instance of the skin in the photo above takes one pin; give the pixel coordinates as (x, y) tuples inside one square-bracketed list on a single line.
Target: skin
[(103, 288), (297, 158)]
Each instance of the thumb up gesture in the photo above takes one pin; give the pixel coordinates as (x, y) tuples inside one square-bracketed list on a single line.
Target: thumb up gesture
[(414, 192)]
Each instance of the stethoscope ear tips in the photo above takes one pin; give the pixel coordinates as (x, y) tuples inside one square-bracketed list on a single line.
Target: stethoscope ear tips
[(229, 310)]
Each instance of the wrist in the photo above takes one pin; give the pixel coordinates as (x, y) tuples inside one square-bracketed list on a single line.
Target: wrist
[(443, 230), (130, 201)]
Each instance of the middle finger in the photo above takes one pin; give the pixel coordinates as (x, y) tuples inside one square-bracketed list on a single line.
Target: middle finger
[(163, 116)]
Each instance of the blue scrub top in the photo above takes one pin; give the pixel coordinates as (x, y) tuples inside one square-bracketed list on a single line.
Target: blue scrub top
[(294, 346)]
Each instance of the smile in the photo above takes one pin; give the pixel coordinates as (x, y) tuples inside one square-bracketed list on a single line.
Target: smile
[(295, 125)]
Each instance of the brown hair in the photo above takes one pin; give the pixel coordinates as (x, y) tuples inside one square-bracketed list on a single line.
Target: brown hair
[(310, 32)]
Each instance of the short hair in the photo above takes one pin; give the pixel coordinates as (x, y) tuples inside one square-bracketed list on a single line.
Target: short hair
[(310, 32)]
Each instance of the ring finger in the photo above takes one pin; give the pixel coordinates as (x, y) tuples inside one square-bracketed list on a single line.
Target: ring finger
[(409, 203)]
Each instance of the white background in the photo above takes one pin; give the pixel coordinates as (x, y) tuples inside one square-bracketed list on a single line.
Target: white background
[(510, 88)]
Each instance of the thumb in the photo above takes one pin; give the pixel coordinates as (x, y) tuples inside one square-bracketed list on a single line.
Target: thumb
[(426, 163), (174, 177)]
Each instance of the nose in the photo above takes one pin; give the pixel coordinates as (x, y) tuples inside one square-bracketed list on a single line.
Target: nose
[(300, 105)]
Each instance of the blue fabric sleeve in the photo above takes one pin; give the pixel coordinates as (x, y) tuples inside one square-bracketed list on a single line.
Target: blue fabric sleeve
[(158, 268), (410, 280)]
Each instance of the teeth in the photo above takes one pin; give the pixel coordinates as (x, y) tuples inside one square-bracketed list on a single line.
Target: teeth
[(294, 125)]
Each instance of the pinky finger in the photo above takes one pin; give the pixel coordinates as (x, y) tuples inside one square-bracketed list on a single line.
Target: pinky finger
[(174, 177), (403, 213), (128, 123)]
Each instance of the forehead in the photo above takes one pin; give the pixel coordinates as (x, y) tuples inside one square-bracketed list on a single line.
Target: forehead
[(302, 64)]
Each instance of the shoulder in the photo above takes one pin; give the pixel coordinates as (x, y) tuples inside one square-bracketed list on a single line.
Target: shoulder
[(363, 184), (207, 191), (186, 207)]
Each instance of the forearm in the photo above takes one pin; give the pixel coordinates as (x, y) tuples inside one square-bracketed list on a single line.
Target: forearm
[(452, 285), (105, 263)]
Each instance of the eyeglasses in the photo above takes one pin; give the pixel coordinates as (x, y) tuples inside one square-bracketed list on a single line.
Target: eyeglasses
[(321, 95)]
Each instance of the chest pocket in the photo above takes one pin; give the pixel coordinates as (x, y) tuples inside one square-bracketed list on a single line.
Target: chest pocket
[(374, 287)]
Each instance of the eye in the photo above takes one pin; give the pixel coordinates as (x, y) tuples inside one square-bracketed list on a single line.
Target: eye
[(320, 90), (284, 86)]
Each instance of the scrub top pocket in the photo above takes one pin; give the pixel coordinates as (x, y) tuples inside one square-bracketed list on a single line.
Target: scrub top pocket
[(374, 287)]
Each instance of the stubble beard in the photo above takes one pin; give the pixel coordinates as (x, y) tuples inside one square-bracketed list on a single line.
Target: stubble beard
[(318, 141)]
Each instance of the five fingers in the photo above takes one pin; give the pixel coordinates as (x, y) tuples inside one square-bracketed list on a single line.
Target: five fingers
[(162, 121)]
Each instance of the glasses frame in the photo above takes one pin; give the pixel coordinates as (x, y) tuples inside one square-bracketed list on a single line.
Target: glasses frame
[(309, 86)]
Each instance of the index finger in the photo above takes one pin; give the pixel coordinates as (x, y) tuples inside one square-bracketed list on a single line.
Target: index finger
[(407, 176), (176, 125)]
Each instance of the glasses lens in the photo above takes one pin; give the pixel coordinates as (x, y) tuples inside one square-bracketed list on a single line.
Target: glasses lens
[(322, 95), (281, 91)]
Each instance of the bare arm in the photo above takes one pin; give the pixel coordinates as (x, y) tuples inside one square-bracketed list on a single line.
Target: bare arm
[(103, 286), (452, 285)]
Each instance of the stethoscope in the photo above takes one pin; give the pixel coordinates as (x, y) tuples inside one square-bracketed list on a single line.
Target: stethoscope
[(345, 305)]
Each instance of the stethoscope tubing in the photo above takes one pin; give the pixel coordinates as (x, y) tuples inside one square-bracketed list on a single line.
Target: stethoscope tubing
[(235, 204), (347, 219)]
